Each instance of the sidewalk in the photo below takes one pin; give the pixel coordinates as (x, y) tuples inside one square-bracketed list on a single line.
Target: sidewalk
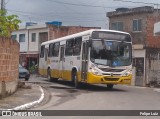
[(25, 97)]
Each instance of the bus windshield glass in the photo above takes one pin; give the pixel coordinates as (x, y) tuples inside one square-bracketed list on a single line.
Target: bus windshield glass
[(111, 52)]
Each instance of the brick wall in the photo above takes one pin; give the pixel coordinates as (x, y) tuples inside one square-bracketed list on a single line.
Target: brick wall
[(152, 41), (57, 32), (137, 37), (153, 66), (9, 61), (146, 37)]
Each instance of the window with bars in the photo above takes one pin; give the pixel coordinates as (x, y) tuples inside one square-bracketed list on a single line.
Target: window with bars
[(137, 25), (22, 38), (33, 37), (117, 26), (14, 37)]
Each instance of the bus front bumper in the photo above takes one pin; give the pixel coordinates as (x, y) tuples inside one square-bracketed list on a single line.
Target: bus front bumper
[(95, 79)]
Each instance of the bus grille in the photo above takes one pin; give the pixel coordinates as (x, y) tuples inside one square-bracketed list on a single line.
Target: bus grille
[(111, 70), (111, 79)]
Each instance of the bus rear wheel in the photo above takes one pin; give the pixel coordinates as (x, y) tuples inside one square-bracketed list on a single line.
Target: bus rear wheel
[(49, 75), (75, 80), (109, 86)]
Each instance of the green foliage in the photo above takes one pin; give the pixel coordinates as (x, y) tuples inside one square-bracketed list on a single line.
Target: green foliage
[(33, 69), (8, 23)]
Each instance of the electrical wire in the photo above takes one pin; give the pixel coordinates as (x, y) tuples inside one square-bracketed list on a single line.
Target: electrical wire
[(137, 2)]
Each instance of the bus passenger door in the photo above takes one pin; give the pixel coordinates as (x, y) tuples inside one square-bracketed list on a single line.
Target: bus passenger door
[(45, 64), (61, 61), (84, 61)]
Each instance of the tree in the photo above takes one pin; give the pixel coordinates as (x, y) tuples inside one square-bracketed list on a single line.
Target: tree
[(8, 23)]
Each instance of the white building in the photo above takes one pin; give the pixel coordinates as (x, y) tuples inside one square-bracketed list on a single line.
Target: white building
[(30, 38)]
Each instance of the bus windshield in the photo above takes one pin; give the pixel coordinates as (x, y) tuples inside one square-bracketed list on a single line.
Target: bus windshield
[(111, 53)]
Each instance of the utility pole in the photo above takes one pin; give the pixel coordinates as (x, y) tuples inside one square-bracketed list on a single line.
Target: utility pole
[(2, 4), (2, 8)]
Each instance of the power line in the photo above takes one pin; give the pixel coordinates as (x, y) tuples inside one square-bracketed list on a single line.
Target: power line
[(74, 4), (137, 2), (33, 13), (63, 17), (49, 15)]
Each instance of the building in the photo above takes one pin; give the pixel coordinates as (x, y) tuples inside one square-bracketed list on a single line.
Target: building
[(31, 36), (139, 22)]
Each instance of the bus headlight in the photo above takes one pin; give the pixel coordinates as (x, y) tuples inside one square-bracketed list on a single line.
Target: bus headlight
[(127, 73), (94, 70)]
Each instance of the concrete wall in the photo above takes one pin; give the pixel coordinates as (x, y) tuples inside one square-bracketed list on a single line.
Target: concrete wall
[(9, 60), (153, 66)]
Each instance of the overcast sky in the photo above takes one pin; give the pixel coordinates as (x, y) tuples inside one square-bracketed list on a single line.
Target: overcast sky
[(70, 12)]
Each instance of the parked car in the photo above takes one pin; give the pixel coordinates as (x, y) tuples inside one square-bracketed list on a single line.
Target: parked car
[(23, 73)]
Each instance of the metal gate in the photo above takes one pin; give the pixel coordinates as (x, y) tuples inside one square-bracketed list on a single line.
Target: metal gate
[(138, 63)]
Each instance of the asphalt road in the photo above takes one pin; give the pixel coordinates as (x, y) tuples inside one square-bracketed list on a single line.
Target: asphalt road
[(62, 95)]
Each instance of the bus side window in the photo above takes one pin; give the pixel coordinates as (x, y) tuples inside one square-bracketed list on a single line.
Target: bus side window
[(50, 50), (42, 51), (46, 53), (77, 46), (55, 49), (69, 47)]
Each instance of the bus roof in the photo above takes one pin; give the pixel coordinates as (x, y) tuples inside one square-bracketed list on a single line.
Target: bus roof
[(87, 32)]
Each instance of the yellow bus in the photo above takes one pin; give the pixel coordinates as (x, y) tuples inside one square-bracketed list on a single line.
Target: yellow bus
[(95, 56)]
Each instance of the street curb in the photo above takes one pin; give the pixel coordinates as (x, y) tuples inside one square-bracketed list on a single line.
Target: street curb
[(134, 86), (31, 104), (157, 90)]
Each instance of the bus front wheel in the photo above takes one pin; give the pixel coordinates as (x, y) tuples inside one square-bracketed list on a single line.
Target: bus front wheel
[(109, 86)]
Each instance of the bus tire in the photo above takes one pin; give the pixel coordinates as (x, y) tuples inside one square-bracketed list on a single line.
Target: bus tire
[(55, 79), (49, 75), (26, 79), (51, 78), (75, 79), (109, 86)]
